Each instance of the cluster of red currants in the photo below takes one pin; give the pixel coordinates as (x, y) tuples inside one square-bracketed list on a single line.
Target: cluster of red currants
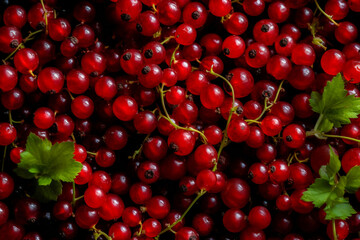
[(209, 99)]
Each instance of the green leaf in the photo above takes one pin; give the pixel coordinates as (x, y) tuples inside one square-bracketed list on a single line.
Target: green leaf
[(318, 192), (334, 104), (48, 162), (325, 125), (329, 171), (44, 181), (49, 192), (24, 173), (340, 208), (353, 179)]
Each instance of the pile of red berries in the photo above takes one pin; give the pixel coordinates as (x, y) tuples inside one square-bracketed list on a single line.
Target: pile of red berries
[(191, 119)]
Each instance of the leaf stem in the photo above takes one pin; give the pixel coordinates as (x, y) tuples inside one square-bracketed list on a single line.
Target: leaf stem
[(317, 124), (334, 230), (325, 14), (3, 159), (342, 137)]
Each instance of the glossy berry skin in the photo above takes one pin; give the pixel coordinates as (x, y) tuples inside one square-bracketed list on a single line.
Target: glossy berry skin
[(26, 60), (140, 193), (301, 77), (205, 156), (148, 172), (62, 210), (59, 29), (203, 224), (346, 32), (236, 24), (185, 34), (351, 71), (131, 216), (150, 75), (238, 130), (259, 217), (242, 82), (298, 205), (212, 96), (128, 10), (236, 193), (253, 7), (85, 174), (294, 136), (44, 118), (220, 8), (279, 171), (278, 11), (94, 197), (147, 23), (284, 44), (151, 227), (271, 125), (15, 15), (233, 46), (300, 176), (283, 203), (12, 230), (303, 54), (195, 14), (186, 233), (206, 179), (82, 107), (158, 207), (332, 61), (279, 67), (258, 173), (350, 159), (265, 31), (9, 78), (234, 220), (342, 229), (10, 38), (257, 55), (182, 142), (112, 208), (115, 137), (93, 63), (125, 108), (50, 79), (251, 233), (169, 12), (84, 35), (337, 9), (86, 217), (131, 61), (8, 134), (120, 231)]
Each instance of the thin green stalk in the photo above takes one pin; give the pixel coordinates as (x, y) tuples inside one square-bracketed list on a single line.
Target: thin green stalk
[(173, 54), (325, 14), (167, 116), (334, 230), (45, 16), (342, 137), (74, 193), (198, 196)]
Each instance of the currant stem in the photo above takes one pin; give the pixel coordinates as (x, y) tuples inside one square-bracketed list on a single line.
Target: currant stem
[(21, 45), (98, 233), (252, 121), (325, 14), (139, 150), (317, 124), (45, 16), (91, 153), (74, 195), (11, 121), (3, 159), (166, 40), (342, 137), (173, 55), (334, 230), (167, 116), (198, 196)]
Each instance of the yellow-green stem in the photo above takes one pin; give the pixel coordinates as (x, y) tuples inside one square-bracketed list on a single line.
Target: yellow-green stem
[(173, 54), (325, 14), (3, 159), (334, 230), (45, 16), (167, 116)]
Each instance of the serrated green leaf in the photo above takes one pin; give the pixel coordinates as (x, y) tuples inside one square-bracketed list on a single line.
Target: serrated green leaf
[(340, 208), (318, 192), (325, 125), (62, 165), (51, 162), (334, 104), (49, 192), (44, 181), (24, 173), (329, 171), (353, 179)]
